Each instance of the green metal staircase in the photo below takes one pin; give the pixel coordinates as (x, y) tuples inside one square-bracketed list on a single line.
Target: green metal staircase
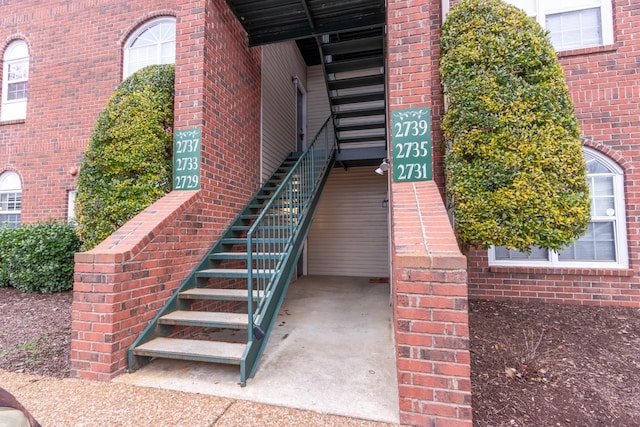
[(225, 309)]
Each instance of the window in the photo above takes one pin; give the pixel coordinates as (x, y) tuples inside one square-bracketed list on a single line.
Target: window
[(10, 199), (15, 76), (71, 206), (572, 24), (153, 43), (604, 244)]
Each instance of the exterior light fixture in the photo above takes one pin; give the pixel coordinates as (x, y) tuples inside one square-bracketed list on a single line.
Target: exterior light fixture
[(384, 166)]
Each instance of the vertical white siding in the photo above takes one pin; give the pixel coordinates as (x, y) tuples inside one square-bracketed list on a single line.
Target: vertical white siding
[(280, 63), (349, 236), (318, 109)]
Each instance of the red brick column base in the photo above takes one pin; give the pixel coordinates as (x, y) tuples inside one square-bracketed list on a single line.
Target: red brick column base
[(430, 310)]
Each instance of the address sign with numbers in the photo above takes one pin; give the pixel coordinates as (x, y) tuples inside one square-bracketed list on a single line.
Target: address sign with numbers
[(411, 141)]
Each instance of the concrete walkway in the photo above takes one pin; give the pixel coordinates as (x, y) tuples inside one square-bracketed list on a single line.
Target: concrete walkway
[(331, 351), (82, 403)]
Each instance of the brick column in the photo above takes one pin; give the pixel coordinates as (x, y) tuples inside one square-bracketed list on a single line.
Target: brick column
[(429, 272), (430, 310)]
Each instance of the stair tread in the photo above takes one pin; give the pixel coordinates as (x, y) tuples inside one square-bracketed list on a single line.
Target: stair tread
[(238, 273), (199, 348), (209, 293), (206, 317), (242, 255)]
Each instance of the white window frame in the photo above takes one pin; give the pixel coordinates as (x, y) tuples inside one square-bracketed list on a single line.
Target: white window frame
[(619, 224), (71, 206), (540, 9), (10, 184), (16, 53), (128, 67)]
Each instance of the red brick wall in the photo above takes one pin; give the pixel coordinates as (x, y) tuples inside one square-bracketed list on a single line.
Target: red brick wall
[(428, 270), (122, 283), (75, 64), (604, 86)]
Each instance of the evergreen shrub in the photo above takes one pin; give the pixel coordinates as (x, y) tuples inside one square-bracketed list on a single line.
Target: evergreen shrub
[(38, 258), (514, 167), (128, 163)]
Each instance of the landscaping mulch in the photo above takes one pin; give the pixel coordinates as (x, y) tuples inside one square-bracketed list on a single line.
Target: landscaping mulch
[(532, 364)]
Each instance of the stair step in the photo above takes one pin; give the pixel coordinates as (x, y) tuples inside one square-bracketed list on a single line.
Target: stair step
[(353, 46), (218, 294), (359, 113), (243, 241), (205, 319), (198, 350), (374, 80), (247, 227), (243, 255), (341, 66), (362, 139), (234, 273), (361, 126), (357, 98)]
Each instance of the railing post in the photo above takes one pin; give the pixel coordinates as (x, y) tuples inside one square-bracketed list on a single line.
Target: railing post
[(250, 286)]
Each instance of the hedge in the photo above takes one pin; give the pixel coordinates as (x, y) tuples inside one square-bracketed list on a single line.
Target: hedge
[(128, 163), (514, 168), (38, 258)]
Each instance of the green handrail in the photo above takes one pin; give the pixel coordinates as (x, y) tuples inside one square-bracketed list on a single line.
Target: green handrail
[(273, 233)]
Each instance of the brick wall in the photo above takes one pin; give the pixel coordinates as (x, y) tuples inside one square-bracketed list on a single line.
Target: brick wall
[(122, 282), (428, 270), (603, 82), (75, 64), (430, 310)]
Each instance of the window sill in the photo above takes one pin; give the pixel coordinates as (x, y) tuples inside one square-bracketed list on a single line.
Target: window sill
[(565, 271), (588, 50), (13, 122)]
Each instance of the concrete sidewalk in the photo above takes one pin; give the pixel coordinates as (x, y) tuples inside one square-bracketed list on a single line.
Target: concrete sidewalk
[(71, 402)]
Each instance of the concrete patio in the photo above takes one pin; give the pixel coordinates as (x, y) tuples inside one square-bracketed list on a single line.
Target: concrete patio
[(331, 351)]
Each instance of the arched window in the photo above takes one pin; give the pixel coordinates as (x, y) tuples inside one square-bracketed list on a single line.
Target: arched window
[(10, 199), (15, 75), (605, 242), (153, 43)]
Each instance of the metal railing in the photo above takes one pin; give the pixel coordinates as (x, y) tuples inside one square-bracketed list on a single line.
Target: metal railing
[(270, 240)]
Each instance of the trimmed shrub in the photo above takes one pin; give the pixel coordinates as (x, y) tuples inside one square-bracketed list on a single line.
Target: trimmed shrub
[(38, 257), (514, 167), (128, 163)]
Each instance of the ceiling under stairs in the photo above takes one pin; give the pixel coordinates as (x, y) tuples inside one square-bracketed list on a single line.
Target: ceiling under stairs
[(348, 39)]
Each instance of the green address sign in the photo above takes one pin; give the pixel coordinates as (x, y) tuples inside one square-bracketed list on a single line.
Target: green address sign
[(186, 159), (411, 141)]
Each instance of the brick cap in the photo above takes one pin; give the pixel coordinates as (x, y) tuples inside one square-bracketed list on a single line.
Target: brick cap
[(126, 242), (422, 234)]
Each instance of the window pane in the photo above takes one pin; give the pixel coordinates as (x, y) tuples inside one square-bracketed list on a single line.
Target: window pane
[(16, 91), (571, 30), (598, 244), (10, 201), (10, 220), (18, 70), (536, 254)]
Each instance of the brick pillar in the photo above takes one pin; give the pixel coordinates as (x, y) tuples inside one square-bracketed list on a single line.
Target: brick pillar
[(429, 272), (430, 310)]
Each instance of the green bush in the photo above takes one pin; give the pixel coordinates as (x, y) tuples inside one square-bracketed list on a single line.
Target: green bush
[(128, 163), (514, 167), (38, 257)]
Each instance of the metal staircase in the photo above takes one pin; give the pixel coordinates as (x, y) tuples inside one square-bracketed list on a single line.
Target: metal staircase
[(354, 69), (224, 311), (348, 38)]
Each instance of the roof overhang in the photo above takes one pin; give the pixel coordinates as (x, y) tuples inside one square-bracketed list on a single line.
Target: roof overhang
[(271, 21)]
